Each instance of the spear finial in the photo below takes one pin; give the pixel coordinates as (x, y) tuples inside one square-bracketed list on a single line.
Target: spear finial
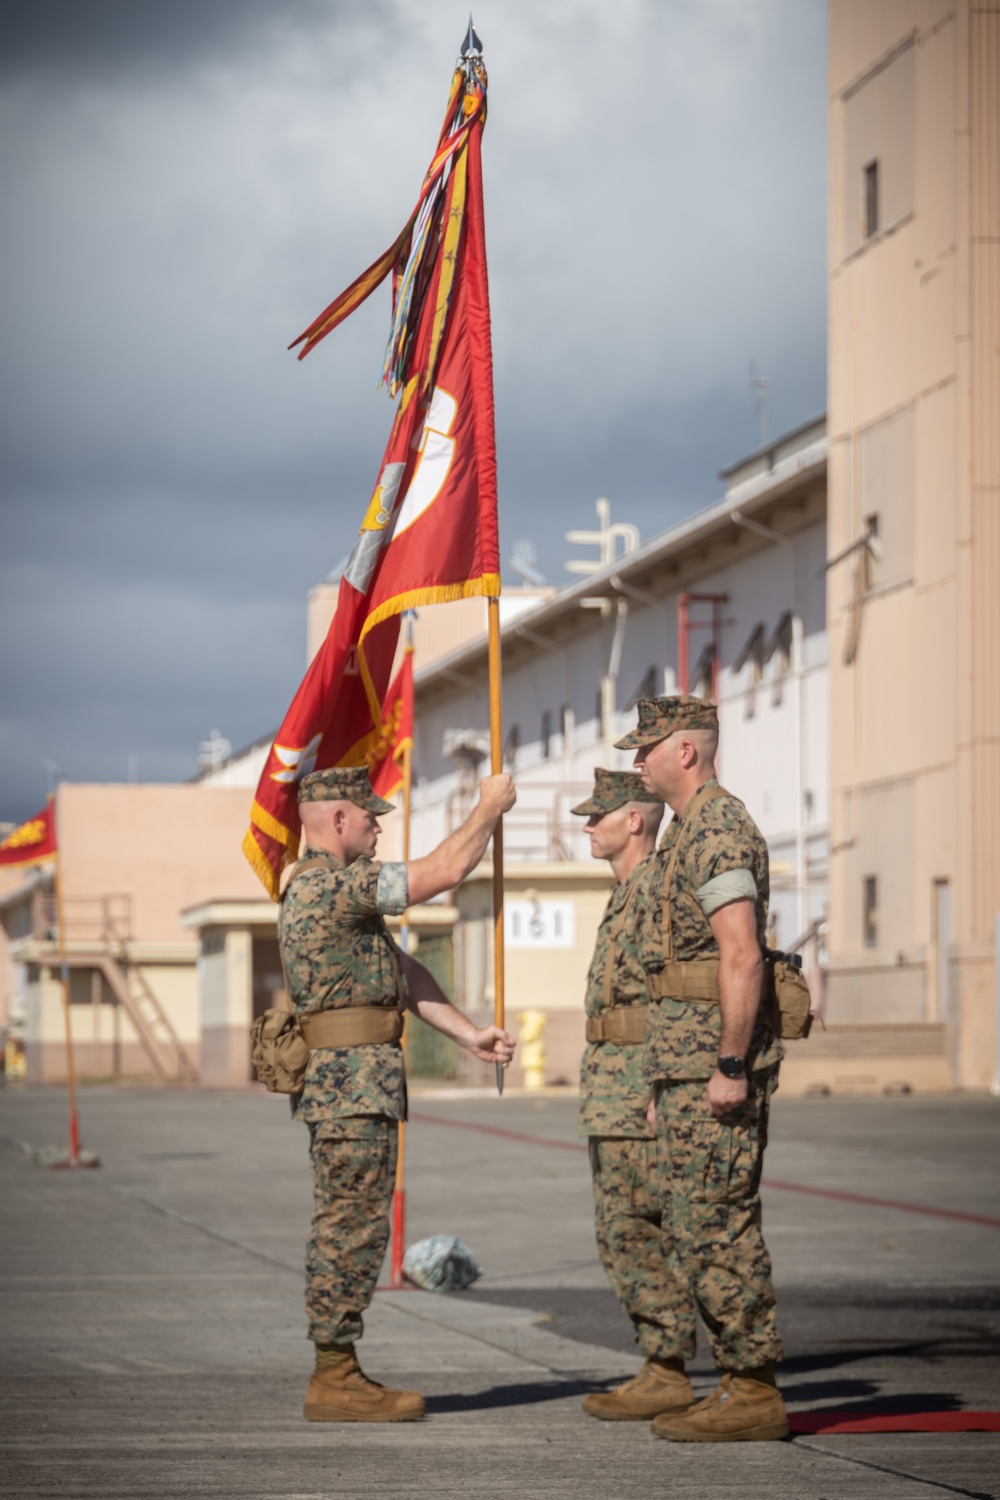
[(471, 42)]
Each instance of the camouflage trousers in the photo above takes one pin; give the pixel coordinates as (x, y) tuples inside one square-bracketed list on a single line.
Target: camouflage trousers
[(353, 1171), (633, 1244), (712, 1213)]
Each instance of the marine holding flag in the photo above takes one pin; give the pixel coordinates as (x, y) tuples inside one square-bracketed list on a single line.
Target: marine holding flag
[(430, 534)]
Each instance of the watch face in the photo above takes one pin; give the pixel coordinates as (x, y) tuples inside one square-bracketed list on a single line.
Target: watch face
[(731, 1067)]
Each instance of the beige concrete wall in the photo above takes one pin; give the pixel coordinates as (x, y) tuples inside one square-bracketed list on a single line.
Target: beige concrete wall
[(914, 392), (546, 978), (867, 1059), (169, 846), (11, 878), (226, 1007), (105, 1044), (164, 848)]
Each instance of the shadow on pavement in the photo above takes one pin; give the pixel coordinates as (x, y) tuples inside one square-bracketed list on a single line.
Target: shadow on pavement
[(862, 1397), (977, 1346), (528, 1393)]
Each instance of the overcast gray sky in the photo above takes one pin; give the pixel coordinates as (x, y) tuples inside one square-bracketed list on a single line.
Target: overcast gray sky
[(185, 186)]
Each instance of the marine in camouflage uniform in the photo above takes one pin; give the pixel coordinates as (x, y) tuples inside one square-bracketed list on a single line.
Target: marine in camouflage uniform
[(710, 856), (338, 952), (614, 1097), (338, 955)]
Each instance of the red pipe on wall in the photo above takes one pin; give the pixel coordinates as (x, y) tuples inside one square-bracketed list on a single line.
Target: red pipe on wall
[(685, 625)]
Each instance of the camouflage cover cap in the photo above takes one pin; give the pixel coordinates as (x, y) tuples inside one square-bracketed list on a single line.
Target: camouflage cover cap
[(659, 717), (613, 789), (343, 784)]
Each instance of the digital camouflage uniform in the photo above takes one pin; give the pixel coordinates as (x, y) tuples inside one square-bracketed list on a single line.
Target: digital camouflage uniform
[(712, 1166), (338, 952), (624, 1157)]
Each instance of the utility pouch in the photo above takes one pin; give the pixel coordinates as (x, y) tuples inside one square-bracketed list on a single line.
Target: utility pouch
[(279, 1052), (788, 995)]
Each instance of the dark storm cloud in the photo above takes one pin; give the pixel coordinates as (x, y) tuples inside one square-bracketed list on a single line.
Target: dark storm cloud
[(101, 38), (186, 186), (182, 668)]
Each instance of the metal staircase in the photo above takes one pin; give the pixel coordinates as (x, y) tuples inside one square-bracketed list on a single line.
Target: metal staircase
[(134, 994), (103, 924)]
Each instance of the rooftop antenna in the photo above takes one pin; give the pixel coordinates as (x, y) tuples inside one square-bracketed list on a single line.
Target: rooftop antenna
[(214, 751), (605, 538), (524, 561), (762, 385)]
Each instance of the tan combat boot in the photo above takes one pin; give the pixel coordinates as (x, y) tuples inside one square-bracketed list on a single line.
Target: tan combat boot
[(660, 1386), (340, 1392), (744, 1407)]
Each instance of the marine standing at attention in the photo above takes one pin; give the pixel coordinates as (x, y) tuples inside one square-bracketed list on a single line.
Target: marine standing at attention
[(622, 821), (349, 983), (712, 1055)]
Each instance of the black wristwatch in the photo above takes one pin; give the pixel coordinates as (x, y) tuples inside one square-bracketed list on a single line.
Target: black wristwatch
[(731, 1067)]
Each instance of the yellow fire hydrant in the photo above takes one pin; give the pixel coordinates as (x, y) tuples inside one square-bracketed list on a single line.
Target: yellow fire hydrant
[(531, 1047)]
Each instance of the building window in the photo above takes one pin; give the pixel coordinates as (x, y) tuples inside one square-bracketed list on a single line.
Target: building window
[(779, 648), (546, 735), (869, 917), (870, 181), (876, 183), (703, 673), (942, 945), (565, 730), (646, 689), (752, 654), (887, 482)]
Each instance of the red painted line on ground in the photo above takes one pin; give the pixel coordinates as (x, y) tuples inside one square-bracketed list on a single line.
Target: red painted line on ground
[(506, 1135), (921, 1421), (783, 1187), (907, 1208)]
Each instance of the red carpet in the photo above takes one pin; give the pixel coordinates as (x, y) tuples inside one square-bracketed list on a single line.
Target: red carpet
[(920, 1421)]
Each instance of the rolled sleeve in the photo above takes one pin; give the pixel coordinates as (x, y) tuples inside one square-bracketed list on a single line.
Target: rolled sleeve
[(731, 885), (392, 890)]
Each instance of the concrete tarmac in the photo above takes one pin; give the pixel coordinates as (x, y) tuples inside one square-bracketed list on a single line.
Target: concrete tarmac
[(153, 1327)]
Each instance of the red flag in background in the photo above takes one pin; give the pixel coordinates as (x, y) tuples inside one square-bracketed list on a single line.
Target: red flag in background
[(33, 842), (396, 734), (430, 532)]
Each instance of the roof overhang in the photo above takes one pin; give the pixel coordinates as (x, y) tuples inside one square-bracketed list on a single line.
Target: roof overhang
[(782, 486), (231, 913)]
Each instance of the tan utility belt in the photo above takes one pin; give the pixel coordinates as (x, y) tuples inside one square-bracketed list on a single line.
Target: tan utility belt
[(351, 1027), (696, 979), (620, 1023)]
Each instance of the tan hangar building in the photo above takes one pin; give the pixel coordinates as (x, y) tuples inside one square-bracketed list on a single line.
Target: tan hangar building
[(913, 590)]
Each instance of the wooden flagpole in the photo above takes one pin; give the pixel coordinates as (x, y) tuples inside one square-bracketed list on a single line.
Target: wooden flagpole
[(74, 1123), (496, 766), (399, 1190)]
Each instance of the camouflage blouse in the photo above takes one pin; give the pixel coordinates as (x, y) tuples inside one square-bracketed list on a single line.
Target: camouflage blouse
[(723, 856), (613, 1094), (338, 952)]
